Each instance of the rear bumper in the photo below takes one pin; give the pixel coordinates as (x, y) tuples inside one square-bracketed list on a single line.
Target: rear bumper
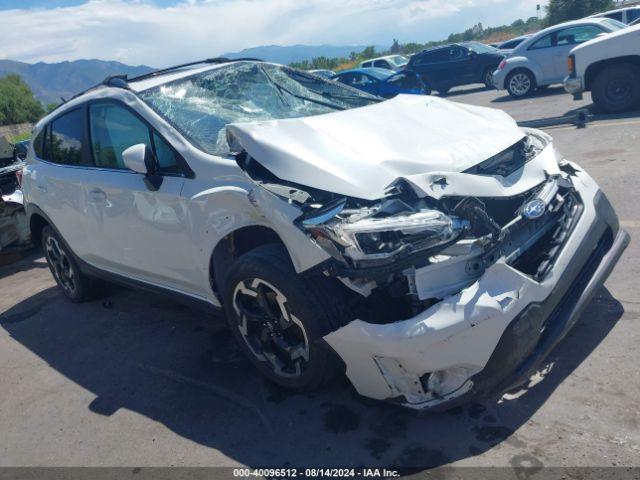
[(491, 335)]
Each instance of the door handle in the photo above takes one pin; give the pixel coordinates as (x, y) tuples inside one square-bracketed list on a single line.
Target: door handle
[(98, 195)]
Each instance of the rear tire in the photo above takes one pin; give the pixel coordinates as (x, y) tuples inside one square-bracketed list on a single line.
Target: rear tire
[(617, 88), (279, 318), (520, 83), (487, 78), (75, 285)]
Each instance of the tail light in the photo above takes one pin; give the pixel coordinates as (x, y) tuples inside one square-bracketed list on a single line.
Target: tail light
[(503, 64), (19, 177)]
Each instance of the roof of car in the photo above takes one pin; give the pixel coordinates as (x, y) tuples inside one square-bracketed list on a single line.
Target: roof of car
[(379, 73), (541, 33), (381, 58), (616, 10)]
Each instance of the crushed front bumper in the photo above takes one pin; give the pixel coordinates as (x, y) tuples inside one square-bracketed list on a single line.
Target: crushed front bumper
[(492, 334)]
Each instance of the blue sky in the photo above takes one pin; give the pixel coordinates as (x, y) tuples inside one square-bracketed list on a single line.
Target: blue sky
[(164, 32), (20, 4)]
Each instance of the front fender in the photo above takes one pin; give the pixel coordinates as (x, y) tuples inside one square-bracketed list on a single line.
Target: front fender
[(219, 211)]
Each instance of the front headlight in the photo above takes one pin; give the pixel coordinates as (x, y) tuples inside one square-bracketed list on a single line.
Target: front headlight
[(370, 234)]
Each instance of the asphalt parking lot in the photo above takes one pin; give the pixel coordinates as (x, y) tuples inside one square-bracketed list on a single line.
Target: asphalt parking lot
[(133, 379)]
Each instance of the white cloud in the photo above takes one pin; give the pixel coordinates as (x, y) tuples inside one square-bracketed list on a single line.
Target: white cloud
[(138, 31)]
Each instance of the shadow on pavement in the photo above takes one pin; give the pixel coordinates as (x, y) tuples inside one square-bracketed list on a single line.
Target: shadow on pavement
[(175, 366), (464, 91), (23, 262), (544, 92)]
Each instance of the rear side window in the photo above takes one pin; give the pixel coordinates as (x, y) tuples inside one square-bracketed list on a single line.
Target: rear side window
[(615, 16), (114, 128), (577, 35), (67, 139), (633, 15), (381, 64), (435, 56), (544, 42), (366, 65)]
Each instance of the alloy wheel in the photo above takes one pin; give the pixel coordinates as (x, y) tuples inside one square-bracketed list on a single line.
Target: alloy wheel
[(273, 334), (61, 267), (520, 84)]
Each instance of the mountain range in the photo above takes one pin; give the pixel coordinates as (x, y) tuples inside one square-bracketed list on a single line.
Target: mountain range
[(51, 81), (297, 53)]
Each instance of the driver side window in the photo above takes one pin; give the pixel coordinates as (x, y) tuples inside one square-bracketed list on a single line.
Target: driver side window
[(114, 128)]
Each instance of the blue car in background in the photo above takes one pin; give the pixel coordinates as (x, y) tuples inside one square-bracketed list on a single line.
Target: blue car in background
[(381, 82)]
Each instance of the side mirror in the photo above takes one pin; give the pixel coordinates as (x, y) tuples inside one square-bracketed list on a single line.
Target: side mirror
[(141, 159)]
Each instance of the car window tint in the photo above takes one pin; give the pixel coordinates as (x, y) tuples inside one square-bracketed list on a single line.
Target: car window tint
[(362, 80), (615, 16), (457, 53), (67, 138), (165, 155), (435, 56), (544, 42), (576, 35), (381, 64), (633, 15), (115, 128), (346, 79), (366, 64), (37, 144)]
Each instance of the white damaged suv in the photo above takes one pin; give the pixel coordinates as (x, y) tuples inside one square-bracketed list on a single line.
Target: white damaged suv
[(431, 250)]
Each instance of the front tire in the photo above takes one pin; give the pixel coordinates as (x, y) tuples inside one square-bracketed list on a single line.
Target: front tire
[(617, 88), (75, 285), (279, 318), (520, 83)]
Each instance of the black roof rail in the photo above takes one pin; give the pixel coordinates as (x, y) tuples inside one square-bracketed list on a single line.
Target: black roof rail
[(117, 81), (213, 61)]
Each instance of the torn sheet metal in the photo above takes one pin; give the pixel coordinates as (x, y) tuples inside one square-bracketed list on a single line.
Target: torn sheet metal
[(360, 152), (14, 227), (448, 343)]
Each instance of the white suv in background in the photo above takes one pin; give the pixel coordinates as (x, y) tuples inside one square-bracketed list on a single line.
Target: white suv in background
[(608, 67), (626, 15), (431, 250)]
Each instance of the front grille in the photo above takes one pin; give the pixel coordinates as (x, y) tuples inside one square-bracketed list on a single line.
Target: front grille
[(540, 257)]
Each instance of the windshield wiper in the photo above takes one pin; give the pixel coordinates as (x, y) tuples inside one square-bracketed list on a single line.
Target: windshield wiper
[(281, 89)]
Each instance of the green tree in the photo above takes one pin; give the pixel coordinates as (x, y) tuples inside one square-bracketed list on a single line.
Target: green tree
[(559, 11), (17, 103), (368, 52)]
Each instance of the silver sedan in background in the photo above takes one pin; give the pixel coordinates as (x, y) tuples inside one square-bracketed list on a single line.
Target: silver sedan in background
[(541, 60)]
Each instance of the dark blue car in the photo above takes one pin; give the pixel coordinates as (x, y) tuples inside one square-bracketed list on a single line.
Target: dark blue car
[(381, 82)]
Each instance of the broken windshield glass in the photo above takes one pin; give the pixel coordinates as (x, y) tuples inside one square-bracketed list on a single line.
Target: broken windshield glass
[(202, 105)]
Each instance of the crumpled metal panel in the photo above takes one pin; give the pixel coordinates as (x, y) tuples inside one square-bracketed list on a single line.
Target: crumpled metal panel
[(360, 152)]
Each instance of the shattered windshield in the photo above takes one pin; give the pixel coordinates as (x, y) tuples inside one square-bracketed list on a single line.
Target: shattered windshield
[(202, 105)]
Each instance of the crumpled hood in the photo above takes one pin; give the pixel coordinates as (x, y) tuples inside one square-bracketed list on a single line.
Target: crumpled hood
[(360, 152)]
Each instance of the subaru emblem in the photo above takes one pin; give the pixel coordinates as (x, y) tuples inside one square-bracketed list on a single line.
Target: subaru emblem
[(534, 209)]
